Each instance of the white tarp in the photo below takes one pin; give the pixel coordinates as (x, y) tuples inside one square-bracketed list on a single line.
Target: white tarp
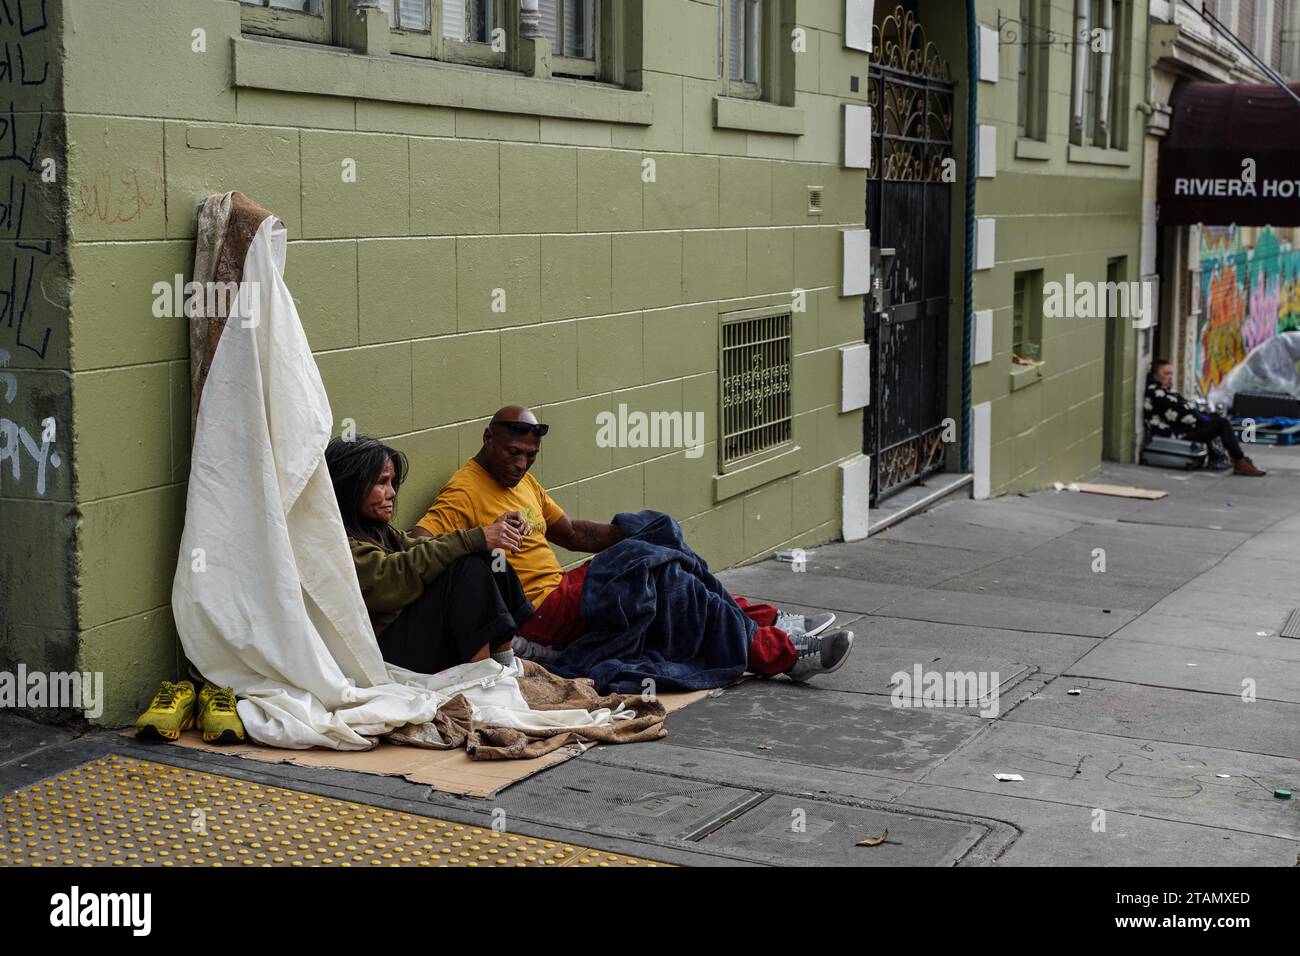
[(1271, 366), (265, 597)]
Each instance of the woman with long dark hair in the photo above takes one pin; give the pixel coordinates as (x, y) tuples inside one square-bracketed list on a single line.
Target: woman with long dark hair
[(434, 602)]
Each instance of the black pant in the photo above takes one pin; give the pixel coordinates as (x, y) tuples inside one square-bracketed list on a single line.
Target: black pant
[(1217, 427), (466, 608)]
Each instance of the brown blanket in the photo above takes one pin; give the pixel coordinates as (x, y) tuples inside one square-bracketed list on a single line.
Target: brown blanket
[(543, 691)]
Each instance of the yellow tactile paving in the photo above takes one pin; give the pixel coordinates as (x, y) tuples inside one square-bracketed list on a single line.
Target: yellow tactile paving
[(119, 811)]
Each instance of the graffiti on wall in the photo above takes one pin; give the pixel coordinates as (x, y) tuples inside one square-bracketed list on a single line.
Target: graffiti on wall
[(30, 174), (18, 444), (24, 70), (1249, 295)]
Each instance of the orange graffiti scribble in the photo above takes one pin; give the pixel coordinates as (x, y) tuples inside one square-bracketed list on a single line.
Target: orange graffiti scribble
[(1222, 349), (99, 201)]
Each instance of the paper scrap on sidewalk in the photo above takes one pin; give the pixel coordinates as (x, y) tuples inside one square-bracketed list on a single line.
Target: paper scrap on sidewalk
[(874, 841), (1122, 491), (1007, 776)]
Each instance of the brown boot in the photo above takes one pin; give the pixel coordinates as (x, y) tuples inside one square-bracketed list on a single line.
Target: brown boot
[(1244, 466)]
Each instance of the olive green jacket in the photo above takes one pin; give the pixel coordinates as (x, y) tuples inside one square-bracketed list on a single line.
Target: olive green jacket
[(392, 579)]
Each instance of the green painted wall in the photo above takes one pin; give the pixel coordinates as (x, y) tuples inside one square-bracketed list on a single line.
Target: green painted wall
[(1062, 216), (613, 285)]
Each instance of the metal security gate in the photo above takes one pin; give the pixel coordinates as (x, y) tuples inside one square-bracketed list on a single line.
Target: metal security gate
[(908, 206)]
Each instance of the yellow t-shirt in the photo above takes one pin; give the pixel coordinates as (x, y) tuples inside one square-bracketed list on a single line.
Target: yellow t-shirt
[(472, 498)]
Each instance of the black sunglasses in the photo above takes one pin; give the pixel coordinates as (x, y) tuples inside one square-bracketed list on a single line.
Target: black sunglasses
[(523, 428)]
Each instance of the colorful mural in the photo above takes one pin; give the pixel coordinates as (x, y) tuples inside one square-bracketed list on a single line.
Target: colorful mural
[(1248, 294)]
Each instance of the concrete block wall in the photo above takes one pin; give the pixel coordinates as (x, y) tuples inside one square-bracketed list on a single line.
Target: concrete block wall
[(613, 286), (1065, 216)]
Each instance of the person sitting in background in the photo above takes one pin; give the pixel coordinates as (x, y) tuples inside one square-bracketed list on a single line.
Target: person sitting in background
[(1170, 415), (496, 479), (434, 602)]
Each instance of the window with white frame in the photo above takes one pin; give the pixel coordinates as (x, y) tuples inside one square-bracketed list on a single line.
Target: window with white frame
[(1099, 98)]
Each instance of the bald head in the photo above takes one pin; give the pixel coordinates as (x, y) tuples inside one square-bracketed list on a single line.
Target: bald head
[(505, 454), (514, 413)]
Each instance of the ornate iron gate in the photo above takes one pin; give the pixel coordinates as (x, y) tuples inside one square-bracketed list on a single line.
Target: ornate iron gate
[(908, 206)]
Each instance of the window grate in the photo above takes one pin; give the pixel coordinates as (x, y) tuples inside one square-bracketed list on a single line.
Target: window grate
[(755, 384)]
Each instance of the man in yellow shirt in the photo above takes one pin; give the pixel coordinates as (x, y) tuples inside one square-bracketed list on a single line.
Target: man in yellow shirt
[(496, 482)]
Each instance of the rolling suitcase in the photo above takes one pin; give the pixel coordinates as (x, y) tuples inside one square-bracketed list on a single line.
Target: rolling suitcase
[(1175, 453)]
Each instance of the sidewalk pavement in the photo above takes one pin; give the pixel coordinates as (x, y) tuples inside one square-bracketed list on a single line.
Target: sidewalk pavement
[(1161, 758)]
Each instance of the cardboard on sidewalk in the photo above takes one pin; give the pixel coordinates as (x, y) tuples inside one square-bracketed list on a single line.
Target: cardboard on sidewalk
[(448, 771), (1122, 491)]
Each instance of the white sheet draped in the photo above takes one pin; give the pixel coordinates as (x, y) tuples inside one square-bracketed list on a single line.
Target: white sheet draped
[(265, 597)]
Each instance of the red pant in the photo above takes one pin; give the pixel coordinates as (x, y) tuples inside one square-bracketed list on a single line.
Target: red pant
[(558, 622)]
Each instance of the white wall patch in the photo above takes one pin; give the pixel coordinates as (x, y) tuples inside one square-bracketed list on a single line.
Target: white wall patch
[(988, 55), (985, 242), (856, 278), (855, 377), (858, 17), (855, 485), (857, 136), (983, 351), (987, 157)]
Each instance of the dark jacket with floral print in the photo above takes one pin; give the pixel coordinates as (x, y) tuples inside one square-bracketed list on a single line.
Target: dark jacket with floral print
[(1167, 413)]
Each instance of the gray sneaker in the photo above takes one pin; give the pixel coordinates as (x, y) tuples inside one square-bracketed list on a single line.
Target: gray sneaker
[(531, 651), (811, 625), (820, 655)]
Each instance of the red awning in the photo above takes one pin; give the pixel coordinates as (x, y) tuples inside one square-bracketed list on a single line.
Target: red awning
[(1232, 156)]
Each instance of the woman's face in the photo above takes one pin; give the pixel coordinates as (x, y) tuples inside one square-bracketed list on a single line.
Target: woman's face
[(1164, 375), (378, 505)]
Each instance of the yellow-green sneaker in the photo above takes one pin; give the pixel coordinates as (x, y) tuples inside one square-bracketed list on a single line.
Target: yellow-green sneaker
[(218, 719), (169, 713)]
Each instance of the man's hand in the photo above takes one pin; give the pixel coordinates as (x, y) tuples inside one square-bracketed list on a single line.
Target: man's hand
[(505, 533), (590, 536)]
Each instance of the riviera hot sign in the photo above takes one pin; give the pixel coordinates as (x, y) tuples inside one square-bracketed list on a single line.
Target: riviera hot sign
[(1232, 156)]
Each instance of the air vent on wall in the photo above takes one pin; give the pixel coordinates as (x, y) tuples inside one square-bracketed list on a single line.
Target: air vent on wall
[(814, 200)]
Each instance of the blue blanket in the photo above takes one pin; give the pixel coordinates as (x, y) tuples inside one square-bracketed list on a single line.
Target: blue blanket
[(653, 610)]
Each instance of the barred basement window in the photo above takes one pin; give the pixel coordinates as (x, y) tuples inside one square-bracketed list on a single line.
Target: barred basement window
[(755, 383)]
